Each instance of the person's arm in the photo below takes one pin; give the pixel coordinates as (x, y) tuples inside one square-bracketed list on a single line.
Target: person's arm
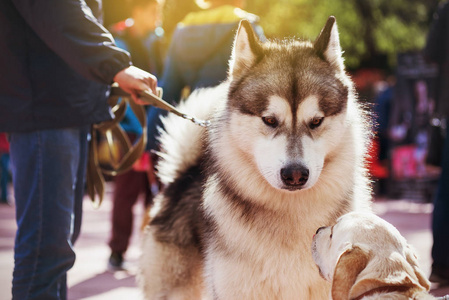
[(134, 80), (69, 28)]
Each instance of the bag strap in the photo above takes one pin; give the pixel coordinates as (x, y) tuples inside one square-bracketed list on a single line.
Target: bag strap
[(114, 133)]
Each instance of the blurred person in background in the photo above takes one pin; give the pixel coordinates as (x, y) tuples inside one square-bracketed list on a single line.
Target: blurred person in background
[(136, 35), (380, 145), (58, 62), (141, 35), (437, 51), (199, 52), (4, 168)]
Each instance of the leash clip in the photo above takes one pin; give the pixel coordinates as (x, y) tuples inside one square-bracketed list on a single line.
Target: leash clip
[(157, 101), (202, 123)]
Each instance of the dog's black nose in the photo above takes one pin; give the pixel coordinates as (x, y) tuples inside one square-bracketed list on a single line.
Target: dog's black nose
[(295, 175)]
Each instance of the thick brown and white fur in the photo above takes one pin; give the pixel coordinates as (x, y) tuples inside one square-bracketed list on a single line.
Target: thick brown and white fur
[(284, 155), (366, 258)]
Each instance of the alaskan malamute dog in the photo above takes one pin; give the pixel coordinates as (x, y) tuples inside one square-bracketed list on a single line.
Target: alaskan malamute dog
[(283, 156)]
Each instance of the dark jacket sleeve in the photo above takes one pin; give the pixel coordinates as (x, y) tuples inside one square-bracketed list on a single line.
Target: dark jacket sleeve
[(435, 50), (70, 29)]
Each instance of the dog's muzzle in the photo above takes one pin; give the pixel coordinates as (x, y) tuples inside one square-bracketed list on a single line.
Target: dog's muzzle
[(294, 176)]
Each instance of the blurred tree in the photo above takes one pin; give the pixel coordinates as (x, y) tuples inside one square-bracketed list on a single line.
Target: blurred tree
[(175, 11), (368, 28), (115, 11)]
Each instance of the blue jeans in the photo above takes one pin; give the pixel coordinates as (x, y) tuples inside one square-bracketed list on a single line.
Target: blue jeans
[(440, 220), (4, 175), (48, 170)]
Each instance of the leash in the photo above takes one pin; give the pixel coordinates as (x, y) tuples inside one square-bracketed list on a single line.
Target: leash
[(118, 153), (157, 101)]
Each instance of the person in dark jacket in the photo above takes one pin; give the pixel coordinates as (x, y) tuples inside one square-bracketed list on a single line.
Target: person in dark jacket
[(199, 52), (137, 35), (4, 168), (141, 35), (58, 62), (201, 47), (437, 50)]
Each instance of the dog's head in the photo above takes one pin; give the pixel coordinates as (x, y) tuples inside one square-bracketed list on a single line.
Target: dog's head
[(363, 253), (288, 104)]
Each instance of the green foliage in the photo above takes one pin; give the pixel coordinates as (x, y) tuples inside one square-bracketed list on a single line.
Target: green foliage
[(174, 11), (368, 28)]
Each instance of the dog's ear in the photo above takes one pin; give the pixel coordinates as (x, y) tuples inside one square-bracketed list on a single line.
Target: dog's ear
[(246, 50), (392, 272), (413, 261), (349, 266), (327, 44)]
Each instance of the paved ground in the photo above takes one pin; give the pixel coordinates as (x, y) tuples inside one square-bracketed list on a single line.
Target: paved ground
[(90, 280)]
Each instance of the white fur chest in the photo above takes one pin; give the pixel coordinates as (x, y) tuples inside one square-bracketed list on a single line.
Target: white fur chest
[(265, 257)]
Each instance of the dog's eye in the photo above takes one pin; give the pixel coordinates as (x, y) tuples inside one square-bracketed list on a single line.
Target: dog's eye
[(316, 122), (270, 121)]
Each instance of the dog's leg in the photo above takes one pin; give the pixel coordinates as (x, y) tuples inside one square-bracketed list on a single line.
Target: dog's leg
[(169, 272)]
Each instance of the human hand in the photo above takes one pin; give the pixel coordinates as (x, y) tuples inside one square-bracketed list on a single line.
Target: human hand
[(134, 81)]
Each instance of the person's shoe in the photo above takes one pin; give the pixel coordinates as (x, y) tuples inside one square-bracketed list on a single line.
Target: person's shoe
[(440, 276), (116, 262)]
